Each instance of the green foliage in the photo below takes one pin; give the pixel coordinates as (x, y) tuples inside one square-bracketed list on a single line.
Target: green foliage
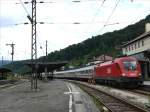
[(82, 52), (18, 67)]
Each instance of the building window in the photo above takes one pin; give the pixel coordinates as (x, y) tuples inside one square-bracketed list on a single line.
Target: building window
[(138, 44), (132, 47), (142, 42), (129, 47), (135, 45)]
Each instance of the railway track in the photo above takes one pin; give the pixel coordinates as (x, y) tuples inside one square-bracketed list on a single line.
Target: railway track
[(145, 90), (3, 82), (141, 92), (112, 103), (8, 83)]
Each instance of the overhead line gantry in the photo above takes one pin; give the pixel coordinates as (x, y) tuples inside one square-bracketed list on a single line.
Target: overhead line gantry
[(33, 45)]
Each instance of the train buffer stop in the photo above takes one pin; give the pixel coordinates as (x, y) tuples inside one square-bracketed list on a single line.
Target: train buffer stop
[(51, 96)]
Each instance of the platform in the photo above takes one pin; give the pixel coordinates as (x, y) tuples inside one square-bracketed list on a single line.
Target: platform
[(146, 83), (52, 96)]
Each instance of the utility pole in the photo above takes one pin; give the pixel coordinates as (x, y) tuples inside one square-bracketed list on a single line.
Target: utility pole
[(33, 45), (12, 53)]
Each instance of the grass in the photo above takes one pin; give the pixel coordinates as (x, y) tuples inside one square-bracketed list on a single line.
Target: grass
[(148, 104), (98, 103), (147, 79)]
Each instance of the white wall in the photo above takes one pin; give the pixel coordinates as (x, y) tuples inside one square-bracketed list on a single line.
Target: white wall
[(137, 49)]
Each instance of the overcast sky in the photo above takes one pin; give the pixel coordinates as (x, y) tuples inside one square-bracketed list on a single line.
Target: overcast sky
[(91, 14)]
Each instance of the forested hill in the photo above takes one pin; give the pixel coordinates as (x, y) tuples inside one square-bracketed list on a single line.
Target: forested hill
[(4, 62), (80, 53)]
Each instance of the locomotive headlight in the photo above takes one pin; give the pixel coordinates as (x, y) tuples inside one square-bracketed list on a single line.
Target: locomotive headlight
[(123, 74), (140, 74)]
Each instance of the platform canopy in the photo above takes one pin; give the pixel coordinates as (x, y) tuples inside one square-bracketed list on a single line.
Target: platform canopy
[(51, 66), (4, 70)]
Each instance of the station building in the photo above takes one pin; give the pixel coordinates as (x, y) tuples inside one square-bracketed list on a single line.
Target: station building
[(103, 57), (140, 48), (100, 59)]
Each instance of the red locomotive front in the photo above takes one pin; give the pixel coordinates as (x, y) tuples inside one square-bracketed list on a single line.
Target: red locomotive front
[(122, 70), (130, 67)]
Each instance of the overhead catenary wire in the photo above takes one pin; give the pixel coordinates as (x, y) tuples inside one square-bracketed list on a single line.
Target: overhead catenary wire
[(22, 3), (54, 1), (112, 12), (74, 1), (40, 44), (77, 22), (95, 15), (93, 19)]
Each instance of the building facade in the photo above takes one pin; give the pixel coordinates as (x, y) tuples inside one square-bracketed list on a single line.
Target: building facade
[(100, 59), (103, 58), (140, 48)]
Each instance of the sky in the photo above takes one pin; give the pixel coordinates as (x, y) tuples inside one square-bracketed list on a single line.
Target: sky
[(65, 22)]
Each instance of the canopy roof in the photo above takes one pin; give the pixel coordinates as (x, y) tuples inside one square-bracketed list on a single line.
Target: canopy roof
[(51, 66), (4, 70)]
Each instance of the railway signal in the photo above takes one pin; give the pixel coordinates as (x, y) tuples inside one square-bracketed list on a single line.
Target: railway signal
[(12, 46)]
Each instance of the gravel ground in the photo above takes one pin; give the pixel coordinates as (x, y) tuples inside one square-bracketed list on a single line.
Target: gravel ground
[(51, 96)]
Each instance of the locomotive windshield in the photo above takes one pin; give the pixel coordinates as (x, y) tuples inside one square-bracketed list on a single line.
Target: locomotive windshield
[(130, 65)]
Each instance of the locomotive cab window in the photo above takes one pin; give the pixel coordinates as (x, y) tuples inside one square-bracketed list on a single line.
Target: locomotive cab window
[(130, 65)]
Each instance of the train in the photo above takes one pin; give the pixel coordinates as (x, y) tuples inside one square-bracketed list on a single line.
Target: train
[(123, 71)]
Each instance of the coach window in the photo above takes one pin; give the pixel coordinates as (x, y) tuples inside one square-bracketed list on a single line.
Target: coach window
[(86, 71)]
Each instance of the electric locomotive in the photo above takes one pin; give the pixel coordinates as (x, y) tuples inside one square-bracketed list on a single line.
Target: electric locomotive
[(121, 71)]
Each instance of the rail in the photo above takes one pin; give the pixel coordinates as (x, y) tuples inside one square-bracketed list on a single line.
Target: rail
[(112, 103)]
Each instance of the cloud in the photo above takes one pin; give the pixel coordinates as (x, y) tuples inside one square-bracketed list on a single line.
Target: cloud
[(63, 14)]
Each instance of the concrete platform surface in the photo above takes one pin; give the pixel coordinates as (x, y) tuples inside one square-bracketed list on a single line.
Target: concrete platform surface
[(146, 83), (52, 96)]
